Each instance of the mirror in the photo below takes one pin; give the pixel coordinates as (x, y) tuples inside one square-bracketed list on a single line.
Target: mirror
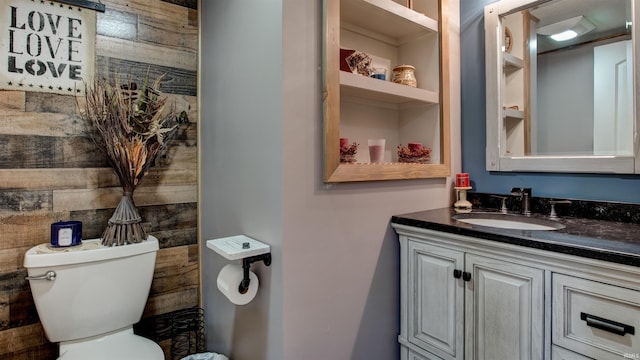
[(562, 105)]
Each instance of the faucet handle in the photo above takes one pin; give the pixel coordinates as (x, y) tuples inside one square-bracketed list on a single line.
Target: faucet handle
[(552, 214), (503, 208)]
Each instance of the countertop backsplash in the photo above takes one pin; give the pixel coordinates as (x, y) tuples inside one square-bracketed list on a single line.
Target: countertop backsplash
[(587, 209)]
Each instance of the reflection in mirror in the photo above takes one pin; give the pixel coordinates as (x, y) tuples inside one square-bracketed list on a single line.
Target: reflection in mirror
[(564, 84), (594, 67)]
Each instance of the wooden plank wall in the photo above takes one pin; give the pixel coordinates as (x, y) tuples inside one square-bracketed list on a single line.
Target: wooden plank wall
[(50, 171)]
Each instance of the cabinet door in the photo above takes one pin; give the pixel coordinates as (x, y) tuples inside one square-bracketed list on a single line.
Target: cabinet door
[(435, 300), (409, 354), (504, 310)]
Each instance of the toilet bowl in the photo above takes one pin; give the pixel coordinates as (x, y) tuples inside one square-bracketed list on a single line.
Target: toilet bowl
[(88, 297)]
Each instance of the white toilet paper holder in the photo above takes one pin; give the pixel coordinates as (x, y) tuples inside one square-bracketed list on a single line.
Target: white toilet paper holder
[(245, 248)]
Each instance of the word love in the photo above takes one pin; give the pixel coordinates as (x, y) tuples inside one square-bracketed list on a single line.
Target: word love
[(44, 44)]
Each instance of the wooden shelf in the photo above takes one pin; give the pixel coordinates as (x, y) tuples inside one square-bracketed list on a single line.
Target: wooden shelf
[(358, 107), (387, 171), (512, 63), (386, 17), (513, 114), (378, 90)]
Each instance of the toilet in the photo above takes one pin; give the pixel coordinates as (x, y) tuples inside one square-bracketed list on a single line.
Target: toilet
[(89, 296)]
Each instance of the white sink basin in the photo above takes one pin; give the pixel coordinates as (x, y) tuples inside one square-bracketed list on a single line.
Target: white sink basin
[(505, 221)]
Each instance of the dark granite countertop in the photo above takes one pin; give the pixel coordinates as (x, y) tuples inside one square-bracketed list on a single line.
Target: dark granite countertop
[(597, 239)]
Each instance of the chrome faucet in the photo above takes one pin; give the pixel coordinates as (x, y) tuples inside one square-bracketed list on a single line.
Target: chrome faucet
[(553, 215), (503, 206), (525, 197)]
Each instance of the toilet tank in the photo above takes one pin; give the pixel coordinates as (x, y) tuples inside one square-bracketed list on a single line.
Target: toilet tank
[(95, 291)]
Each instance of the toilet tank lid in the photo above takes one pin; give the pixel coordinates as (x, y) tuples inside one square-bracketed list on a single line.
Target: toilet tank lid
[(34, 258)]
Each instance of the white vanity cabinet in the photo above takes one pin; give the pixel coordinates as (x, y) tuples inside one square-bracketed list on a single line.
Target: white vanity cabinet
[(459, 302), (469, 298)]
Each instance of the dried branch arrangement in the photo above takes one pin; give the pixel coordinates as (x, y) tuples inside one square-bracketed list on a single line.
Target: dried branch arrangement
[(131, 126)]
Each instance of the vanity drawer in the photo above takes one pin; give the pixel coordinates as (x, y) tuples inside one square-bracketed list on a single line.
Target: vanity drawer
[(595, 319), (558, 353)]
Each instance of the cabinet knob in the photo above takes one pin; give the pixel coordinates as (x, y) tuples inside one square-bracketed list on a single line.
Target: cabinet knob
[(466, 276), (457, 273)]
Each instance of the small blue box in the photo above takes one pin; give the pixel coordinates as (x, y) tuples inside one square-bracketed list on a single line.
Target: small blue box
[(66, 233)]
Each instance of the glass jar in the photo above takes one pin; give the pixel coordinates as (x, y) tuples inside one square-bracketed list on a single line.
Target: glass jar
[(404, 74)]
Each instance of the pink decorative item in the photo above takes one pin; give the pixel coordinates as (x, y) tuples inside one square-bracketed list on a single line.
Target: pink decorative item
[(376, 150), (414, 153), (348, 152)]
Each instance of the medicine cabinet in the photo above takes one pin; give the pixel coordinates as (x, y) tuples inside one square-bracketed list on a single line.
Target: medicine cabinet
[(358, 107)]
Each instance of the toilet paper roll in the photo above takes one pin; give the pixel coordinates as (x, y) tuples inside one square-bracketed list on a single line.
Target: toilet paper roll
[(229, 279)]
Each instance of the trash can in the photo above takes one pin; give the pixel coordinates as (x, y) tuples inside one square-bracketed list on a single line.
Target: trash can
[(187, 334), (205, 356)]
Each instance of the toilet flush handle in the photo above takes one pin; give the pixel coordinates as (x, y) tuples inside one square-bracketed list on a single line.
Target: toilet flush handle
[(50, 275)]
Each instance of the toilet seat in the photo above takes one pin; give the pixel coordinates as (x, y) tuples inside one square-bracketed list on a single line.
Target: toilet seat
[(121, 345)]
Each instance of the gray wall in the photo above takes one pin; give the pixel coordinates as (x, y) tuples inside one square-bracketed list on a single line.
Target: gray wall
[(577, 186), (331, 292), (565, 102), (332, 289), (241, 166)]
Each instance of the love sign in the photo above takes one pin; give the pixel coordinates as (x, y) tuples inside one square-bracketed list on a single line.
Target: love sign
[(46, 46)]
